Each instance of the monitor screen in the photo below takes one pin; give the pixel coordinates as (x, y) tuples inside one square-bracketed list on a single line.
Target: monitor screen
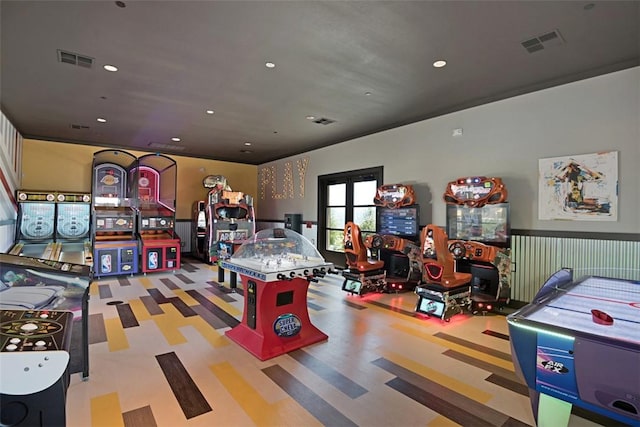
[(488, 224), (404, 222)]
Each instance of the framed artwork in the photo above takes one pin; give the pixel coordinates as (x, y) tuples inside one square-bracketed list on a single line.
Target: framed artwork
[(579, 188)]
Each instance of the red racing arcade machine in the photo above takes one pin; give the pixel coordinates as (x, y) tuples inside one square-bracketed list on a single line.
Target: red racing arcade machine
[(479, 228), (156, 181), (276, 266)]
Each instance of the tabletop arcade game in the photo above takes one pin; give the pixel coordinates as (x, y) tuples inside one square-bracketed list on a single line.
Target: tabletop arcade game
[(276, 266), (155, 178), (39, 285), (73, 227), (35, 233), (479, 231), (115, 245), (34, 360), (578, 343)]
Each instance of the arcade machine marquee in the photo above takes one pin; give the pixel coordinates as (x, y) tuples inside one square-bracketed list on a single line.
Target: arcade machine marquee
[(276, 266)]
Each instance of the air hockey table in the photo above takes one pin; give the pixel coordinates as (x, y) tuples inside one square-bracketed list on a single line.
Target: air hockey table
[(578, 343), (275, 267)]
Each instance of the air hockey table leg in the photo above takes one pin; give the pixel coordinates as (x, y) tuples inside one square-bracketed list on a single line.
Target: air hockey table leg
[(553, 412)]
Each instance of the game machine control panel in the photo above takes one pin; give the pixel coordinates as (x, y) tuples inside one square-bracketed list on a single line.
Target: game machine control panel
[(156, 185), (34, 358), (478, 225), (115, 245), (276, 267)]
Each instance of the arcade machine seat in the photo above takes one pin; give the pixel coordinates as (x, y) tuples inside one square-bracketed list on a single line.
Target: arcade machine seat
[(445, 291), (362, 274)]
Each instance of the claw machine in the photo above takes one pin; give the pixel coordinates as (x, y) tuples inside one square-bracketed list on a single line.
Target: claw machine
[(155, 178), (115, 244)]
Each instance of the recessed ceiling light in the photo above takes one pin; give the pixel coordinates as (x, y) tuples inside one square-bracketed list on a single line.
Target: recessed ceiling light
[(246, 151), (311, 117), (589, 6), (101, 120), (367, 93), (440, 63), (175, 139), (270, 65), (247, 143), (110, 67), (209, 111)]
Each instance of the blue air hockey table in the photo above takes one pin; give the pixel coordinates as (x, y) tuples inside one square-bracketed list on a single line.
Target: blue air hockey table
[(578, 343)]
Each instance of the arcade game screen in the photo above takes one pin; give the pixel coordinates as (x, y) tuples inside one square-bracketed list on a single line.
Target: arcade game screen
[(37, 221), (402, 222), (488, 224)]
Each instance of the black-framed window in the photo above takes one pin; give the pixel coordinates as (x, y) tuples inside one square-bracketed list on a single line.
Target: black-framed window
[(342, 197)]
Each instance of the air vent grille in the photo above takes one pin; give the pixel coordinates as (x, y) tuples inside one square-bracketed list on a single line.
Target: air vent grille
[(79, 127), (323, 121), (75, 59), (543, 41)]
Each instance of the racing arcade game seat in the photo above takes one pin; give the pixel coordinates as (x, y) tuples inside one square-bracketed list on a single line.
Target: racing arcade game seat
[(362, 275), (444, 292)]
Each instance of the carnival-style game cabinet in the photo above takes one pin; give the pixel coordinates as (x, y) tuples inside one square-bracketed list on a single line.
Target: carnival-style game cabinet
[(115, 244), (478, 227), (32, 288), (35, 231), (73, 228), (155, 178)]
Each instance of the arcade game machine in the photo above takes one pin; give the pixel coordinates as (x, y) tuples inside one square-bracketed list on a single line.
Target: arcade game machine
[(444, 292), (31, 291), (578, 343), (115, 245), (199, 230), (398, 230), (362, 274), (230, 219), (35, 234), (479, 231), (276, 266), (73, 228), (155, 179)]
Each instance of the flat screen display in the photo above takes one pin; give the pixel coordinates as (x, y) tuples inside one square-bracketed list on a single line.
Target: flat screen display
[(488, 224), (404, 222), (430, 307)]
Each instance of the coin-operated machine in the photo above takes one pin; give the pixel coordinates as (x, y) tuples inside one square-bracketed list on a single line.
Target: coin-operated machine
[(73, 227), (276, 266), (115, 244), (230, 219), (363, 274), (395, 241), (155, 177), (35, 233), (478, 227), (34, 360)]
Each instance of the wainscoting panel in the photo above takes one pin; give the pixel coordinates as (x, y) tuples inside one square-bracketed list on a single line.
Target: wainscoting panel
[(536, 258)]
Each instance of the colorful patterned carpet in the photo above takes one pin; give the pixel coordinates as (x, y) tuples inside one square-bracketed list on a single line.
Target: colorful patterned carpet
[(159, 357)]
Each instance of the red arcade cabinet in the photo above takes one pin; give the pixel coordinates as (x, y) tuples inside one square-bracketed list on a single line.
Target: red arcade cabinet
[(276, 266), (156, 180)]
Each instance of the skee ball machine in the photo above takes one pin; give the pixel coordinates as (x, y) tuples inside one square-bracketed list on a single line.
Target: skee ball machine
[(73, 227), (479, 231), (276, 266), (35, 231), (156, 183), (115, 245)]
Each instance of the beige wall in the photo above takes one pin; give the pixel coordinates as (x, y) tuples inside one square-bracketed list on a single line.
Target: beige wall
[(58, 166)]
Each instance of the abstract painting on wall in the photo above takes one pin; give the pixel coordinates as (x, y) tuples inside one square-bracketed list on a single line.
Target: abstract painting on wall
[(580, 188)]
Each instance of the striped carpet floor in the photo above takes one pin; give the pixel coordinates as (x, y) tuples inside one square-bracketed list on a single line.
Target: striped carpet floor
[(159, 357)]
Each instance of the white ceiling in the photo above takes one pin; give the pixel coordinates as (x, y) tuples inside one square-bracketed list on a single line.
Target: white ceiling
[(367, 65)]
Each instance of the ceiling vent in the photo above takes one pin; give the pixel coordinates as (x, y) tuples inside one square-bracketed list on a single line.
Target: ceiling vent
[(166, 146), (75, 59), (323, 121), (544, 41), (79, 127)]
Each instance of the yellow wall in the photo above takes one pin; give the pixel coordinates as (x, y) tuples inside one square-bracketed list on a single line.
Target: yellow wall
[(57, 166)]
